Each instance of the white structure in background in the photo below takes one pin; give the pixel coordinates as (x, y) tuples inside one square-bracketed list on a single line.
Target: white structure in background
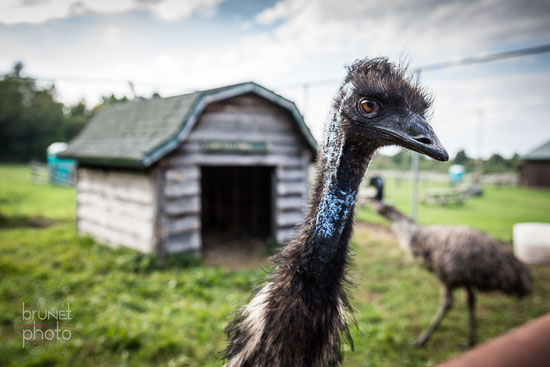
[(532, 242), (61, 171), (456, 173)]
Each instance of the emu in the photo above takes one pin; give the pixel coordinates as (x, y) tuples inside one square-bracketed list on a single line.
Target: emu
[(460, 257), (299, 316)]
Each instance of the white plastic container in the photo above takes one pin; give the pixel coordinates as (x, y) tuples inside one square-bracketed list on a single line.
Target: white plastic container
[(532, 242)]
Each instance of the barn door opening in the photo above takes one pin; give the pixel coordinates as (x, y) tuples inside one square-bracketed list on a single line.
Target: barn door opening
[(236, 205)]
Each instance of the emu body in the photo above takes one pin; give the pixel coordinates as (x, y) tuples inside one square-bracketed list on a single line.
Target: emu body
[(460, 257), (298, 318)]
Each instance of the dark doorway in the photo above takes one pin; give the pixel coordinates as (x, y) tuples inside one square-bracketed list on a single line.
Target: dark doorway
[(237, 201)]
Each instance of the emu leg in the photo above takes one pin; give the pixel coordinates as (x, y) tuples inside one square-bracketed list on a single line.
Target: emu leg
[(446, 304), (471, 299)]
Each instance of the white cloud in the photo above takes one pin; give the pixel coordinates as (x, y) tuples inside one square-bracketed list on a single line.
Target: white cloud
[(20, 11), (13, 11), (103, 6), (111, 35), (428, 27), (282, 9), (172, 10)]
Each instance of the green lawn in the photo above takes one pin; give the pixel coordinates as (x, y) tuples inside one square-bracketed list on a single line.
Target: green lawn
[(130, 309)]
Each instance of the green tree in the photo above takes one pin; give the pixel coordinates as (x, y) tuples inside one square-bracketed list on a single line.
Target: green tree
[(461, 158), (496, 163), (30, 117), (78, 116), (514, 163), (107, 101)]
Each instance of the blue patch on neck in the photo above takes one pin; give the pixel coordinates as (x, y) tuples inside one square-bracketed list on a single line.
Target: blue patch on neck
[(336, 202), (334, 211)]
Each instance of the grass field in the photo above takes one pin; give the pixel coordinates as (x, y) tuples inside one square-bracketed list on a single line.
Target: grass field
[(131, 310)]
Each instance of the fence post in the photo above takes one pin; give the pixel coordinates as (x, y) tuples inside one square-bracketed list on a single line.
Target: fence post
[(415, 170)]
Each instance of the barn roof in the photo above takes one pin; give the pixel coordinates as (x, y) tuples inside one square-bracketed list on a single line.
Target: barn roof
[(539, 153), (139, 133)]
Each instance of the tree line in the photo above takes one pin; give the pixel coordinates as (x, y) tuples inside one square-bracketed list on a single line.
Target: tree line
[(31, 118), (402, 161)]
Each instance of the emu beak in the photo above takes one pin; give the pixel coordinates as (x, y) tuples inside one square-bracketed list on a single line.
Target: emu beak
[(416, 134)]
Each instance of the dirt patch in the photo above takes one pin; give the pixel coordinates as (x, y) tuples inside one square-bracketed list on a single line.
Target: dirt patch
[(238, 251), (381, 231), (234, 251), (25, 222), (375, 227), (40, 222)]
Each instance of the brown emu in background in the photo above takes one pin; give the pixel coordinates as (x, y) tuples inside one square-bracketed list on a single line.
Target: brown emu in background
[(460, 257), (298, 317)]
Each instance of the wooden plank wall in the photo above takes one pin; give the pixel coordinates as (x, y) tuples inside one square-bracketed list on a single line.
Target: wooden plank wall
[(245, 118), (180, 212), (117, 207), (535, 174)]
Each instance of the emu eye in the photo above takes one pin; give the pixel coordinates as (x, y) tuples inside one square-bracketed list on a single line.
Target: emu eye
[(369, 107)]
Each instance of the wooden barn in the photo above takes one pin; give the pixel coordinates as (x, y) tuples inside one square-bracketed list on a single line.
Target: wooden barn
[(158, 175), (535, 168)]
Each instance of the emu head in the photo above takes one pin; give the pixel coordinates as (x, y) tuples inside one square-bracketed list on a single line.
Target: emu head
[(378, 101), (378, 183)]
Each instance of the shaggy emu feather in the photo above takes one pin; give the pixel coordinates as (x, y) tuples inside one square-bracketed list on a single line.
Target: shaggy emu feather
[(460, 257), (299, 316)]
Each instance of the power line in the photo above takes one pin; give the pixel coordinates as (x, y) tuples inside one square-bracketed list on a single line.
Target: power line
[(444, 64), (487, 58)]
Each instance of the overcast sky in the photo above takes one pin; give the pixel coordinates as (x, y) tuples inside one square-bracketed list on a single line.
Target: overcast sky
[(91, 48)]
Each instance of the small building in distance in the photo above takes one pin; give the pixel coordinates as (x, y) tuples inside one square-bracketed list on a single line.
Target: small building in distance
[(158, 175), (535, 169), (61, 171)]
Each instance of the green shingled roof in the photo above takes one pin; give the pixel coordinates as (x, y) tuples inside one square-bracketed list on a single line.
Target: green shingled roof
[(139, 133), (539, 153)]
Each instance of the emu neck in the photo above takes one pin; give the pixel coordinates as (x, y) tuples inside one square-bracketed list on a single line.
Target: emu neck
[(337, 198), (403, 226), (341, 171)]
